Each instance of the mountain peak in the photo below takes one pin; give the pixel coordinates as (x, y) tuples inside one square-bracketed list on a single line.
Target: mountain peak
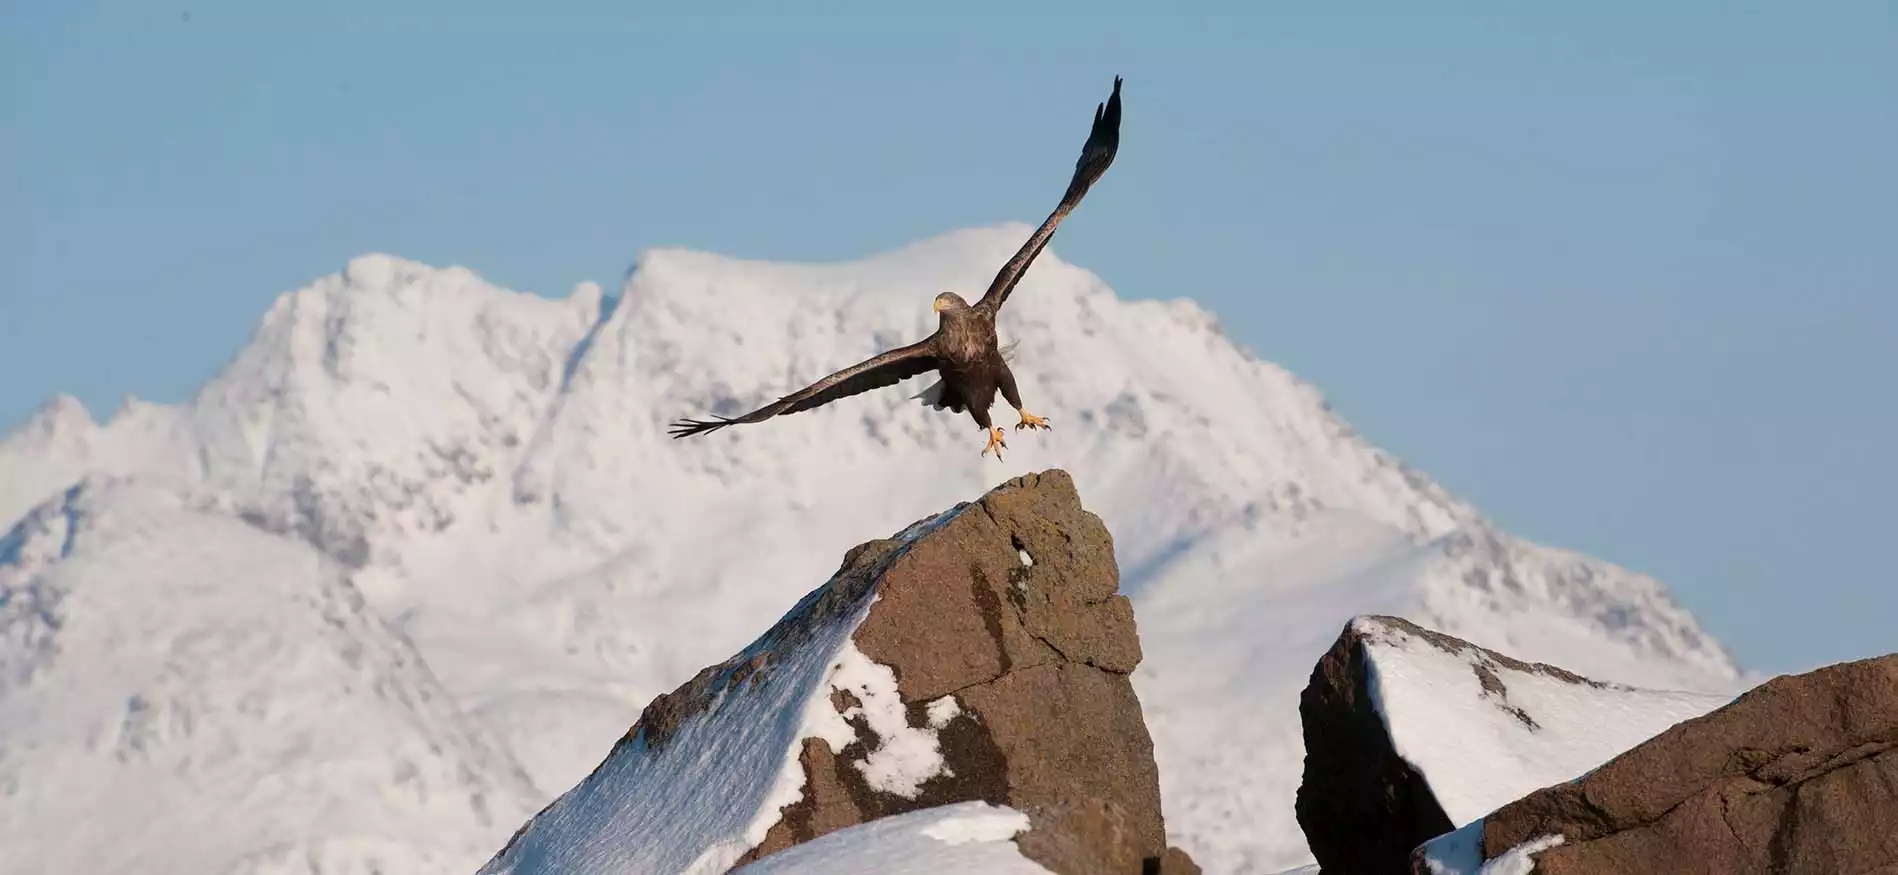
[(61, 415), (963, 261), (378, 270)]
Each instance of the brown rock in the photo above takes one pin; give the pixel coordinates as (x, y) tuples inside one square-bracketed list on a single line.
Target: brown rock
[(1799, 775), (1175, 862), (1036, 654), (1010, 608)]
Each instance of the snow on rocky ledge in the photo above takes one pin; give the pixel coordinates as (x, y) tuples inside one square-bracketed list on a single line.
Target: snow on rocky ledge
[(966, 838), (1411, 733)]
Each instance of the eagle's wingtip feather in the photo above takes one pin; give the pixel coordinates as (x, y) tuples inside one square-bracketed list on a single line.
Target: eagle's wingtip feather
[(688, 427)]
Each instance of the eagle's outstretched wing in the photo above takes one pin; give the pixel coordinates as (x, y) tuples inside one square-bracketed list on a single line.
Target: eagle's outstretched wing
[(1102, 142), (887, 369)]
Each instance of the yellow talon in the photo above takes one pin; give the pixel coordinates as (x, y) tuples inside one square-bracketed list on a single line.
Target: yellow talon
[(1029, 420), (995, 443)]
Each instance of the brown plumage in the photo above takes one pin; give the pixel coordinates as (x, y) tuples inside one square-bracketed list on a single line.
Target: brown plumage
[(963, 350)]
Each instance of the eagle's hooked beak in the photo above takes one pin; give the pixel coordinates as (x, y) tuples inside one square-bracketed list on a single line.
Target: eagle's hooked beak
[(936, 307)]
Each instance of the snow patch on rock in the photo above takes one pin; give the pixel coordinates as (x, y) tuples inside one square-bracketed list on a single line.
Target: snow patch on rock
[(943, 710), (1483, 732), (901, 757), (968, 838), (1520, 860)]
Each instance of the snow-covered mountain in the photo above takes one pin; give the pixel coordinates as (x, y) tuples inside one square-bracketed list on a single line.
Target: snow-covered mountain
[(183, 692), (489, 473)]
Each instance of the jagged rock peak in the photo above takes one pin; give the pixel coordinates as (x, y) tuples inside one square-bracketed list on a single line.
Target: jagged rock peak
[(980, 655)]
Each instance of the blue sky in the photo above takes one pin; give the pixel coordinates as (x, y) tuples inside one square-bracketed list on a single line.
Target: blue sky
[(1623, 274)]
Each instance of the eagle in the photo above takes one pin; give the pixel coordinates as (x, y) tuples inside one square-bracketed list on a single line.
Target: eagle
[(963, 350)]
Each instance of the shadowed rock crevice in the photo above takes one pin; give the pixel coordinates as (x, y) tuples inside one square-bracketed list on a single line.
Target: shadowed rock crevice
[(991, 607)]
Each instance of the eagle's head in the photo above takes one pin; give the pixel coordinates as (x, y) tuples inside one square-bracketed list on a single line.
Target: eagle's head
[(950, 301)]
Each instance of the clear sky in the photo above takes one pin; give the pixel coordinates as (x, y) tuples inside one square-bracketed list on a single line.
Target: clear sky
[(1623, 274)]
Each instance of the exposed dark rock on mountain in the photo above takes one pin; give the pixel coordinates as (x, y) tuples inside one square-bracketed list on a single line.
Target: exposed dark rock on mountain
[(1361, 806)]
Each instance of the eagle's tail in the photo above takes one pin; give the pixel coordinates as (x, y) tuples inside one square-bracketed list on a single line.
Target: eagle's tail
[(933, 397)]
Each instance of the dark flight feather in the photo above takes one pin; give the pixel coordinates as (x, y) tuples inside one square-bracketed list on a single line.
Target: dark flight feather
[(1103, 141), (886, 369)]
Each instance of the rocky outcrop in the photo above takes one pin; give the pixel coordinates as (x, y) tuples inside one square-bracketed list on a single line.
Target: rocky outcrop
[(1799, 775), (980, 655), (1011, 610), (1410, 733)]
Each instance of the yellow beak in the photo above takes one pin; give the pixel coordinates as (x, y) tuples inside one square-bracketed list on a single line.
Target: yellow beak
[(937, 306)]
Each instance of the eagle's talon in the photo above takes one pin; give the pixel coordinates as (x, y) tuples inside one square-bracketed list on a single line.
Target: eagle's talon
[(996, 443), (1029, 420)]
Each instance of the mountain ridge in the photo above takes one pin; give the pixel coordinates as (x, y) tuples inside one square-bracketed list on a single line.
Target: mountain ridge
[(489, 469)]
